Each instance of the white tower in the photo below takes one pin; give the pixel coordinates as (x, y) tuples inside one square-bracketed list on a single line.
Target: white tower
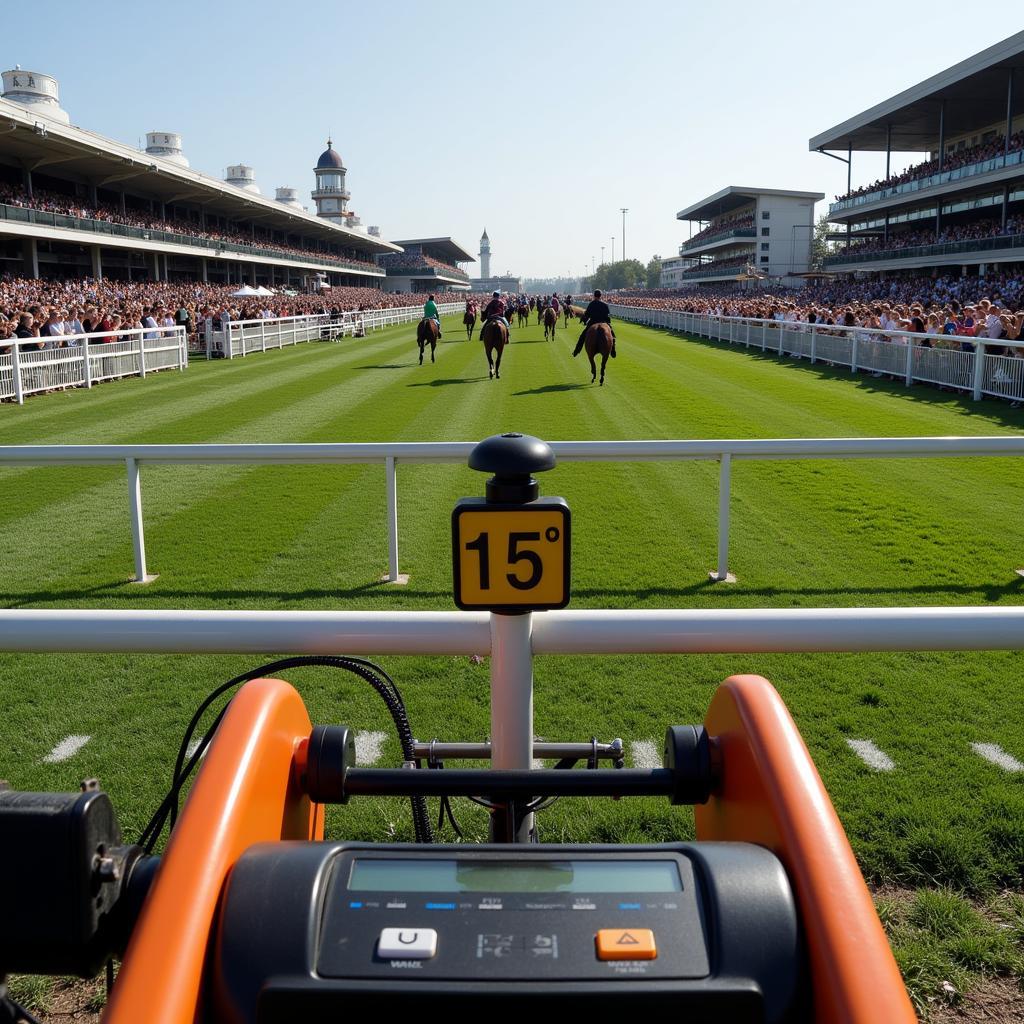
[(242, 176), (289, 197), (39, 93), (330, 195), (166, 145), (485, 255)]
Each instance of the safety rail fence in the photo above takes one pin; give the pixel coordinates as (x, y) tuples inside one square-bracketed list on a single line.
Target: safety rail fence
[(390, 454), (243, 337), (31, 365), (982, 366)]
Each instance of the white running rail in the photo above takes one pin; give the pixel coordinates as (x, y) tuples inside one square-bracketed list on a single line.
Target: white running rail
[(982, 369), (389, 455), (30, 365)]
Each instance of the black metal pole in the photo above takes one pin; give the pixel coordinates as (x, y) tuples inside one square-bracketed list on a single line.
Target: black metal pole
[(942, 132), (888, 148), (1009, 110)]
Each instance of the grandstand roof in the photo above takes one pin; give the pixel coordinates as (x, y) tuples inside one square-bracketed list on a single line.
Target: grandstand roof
[(43, 143), (732, 197), (975, 95), (445, 246)]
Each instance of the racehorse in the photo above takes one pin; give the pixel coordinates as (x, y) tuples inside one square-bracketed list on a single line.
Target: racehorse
[(469, 319), (598, 341), (426, 334), (494, 336), (550, 320), (523, 312), (540, 311), (567, 310), (533, 302)]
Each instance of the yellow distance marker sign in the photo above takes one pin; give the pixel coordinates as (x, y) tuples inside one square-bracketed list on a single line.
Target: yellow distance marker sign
[(511, 557)]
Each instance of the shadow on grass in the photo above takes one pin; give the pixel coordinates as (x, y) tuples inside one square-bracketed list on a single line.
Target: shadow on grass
[(130, 593), (384, 366), (443, 382), (546, 389)]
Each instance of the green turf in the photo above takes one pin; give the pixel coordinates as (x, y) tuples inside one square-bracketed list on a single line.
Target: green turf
[(910, 532)]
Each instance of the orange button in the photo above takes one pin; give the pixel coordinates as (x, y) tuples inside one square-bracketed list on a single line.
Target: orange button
[(626, 944)]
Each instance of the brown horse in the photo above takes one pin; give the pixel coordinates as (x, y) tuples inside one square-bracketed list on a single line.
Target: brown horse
[(598, 341), (567, 310), (533, 302), (426, 334), (550, 320), (540, 312), (469, 319), (523, 312), (494, 336)]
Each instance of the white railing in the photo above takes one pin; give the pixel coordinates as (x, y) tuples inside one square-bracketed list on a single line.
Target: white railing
[(903, 354), (390, 454), (511, 641), (30, 365), (243, 337)]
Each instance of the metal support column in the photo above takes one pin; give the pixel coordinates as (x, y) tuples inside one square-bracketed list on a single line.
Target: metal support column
[(135, 511), (722, 574), (394, 576)]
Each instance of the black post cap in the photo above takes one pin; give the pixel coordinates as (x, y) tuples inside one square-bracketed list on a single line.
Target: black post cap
[(513, 459)]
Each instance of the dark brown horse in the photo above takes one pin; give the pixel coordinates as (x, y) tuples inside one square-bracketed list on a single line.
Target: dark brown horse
[(569, 314), (540, 311), (426, 334), (469, 319), (494, 336), (550, 320), (598, 341), (533, 302), (523, 312)]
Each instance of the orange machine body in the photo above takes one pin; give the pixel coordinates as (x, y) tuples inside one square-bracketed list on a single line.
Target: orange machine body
[(770, 793)]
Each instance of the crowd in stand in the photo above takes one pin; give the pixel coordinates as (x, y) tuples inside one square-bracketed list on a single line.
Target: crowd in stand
[(950, 309), (34, 308), (951, 161), (728, 263), (417, 261), (720, 226), (68, 206), (975, 230)]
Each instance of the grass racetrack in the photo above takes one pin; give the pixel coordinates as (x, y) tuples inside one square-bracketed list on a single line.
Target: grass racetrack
[(813, 534)]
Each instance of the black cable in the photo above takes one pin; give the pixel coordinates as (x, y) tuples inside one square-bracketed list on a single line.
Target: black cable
[(20, 1013), (184, 765)]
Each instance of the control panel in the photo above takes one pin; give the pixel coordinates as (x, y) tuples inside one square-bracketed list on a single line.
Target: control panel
[(709, 929)]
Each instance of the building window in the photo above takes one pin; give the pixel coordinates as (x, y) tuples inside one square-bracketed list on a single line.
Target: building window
[(764, 246), (764, 259), (766, 215), (765, 232)]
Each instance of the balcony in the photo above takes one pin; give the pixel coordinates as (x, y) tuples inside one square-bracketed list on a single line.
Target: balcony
[(735, 270), (693, 245), (216, 247), (998, 245), (908, 188)]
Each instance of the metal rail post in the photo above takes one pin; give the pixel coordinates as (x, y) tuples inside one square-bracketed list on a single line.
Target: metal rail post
[(909, 379), (394, 576), (814, 343), (142, 354), (722, 574), (19, 393), (135, 511), (979, 368), (86, 367)]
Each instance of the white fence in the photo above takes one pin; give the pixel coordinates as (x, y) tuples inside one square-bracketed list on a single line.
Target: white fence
[(29, 365), (243, 337), (913, 357), (390, 454)]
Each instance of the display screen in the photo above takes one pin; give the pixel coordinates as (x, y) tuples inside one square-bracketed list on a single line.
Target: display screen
[(571, 876)]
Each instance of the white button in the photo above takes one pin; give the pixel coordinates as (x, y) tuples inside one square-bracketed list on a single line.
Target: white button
[(407, 944)]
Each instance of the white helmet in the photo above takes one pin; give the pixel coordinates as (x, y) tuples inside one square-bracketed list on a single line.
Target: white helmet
[(496, 295)]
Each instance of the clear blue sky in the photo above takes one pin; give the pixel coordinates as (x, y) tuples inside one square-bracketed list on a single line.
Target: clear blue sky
[(536, 120)]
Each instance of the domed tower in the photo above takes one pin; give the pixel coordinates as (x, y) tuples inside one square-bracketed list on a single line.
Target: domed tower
[(36, 91), (242, 176), (289, 197), (485, 255), (330, 195), (166, 145)]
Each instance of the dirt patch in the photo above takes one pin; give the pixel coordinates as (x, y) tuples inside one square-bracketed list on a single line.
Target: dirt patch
[(992, 1000)]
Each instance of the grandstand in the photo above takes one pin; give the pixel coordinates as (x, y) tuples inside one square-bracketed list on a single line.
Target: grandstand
[(426, 265), (76, 204), (746, 233), (961, 207)]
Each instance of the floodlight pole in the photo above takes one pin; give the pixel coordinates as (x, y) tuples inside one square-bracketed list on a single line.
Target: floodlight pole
[(625, 210)]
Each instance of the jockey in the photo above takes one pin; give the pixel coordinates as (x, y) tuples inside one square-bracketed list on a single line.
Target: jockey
[(496, 311), (471, 306), (596, 313), (430, 313), (554, 303)]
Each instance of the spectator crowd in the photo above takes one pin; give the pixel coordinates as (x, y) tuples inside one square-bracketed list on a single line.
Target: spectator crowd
[(972, 231), (54, 202), (951, 161), (721, 226)]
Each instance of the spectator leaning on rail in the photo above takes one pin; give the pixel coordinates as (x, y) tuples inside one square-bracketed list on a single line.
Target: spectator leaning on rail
[(597, 312), (430, 313)]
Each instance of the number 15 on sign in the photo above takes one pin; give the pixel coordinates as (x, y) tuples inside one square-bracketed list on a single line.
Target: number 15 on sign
[(511, 557)]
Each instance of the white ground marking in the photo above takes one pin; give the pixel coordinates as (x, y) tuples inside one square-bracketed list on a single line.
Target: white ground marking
[(537, 762), (871, 755), (193, 747), (369, 746), (994, 753), (68, 747), (645, 754)]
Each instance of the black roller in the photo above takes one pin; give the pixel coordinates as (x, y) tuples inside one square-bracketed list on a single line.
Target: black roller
[(332, 752), (688, 757)]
